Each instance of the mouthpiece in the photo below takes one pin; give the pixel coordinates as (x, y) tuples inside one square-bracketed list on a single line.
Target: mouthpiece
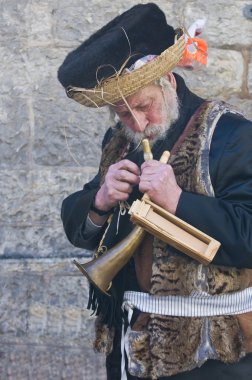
[(147, 150)]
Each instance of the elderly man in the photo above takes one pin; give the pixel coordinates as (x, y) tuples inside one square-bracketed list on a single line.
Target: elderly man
[(207, 183)]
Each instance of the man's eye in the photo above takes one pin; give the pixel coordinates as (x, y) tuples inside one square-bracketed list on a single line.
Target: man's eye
[(145, 107), (124, 114)]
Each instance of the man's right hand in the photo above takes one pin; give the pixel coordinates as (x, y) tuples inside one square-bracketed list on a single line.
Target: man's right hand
[(118, 184)]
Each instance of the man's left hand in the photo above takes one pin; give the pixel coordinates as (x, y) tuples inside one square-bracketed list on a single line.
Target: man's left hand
[(159, 182)]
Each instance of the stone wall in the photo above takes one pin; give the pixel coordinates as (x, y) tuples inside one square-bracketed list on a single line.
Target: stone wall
[(50, 146)]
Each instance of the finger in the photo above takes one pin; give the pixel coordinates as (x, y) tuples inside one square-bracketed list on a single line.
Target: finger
[(152, 172), (156, 168), (120, 195), (145, 186), (126, 176), (152, 168), (129, 166), (123, 187), (150, 163)]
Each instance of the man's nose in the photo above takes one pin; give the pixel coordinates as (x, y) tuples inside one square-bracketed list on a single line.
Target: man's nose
[(140, 121)]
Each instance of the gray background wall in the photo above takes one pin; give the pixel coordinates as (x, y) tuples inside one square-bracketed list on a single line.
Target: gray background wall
[(50, 146)]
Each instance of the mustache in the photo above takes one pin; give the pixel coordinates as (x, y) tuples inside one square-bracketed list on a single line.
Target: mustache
[(150, 130), (153, 132)]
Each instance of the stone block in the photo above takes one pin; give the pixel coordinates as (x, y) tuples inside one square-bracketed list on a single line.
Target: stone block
[(67, 137), (15, 132), (38, 21), (220, 78), (225, 26), (12, 21), (250, 76), (35, 196), (42, 63), (37, 241), (243, 105), (45, 329), (13, 79), (16, 196), (30, 218), (73, 23)]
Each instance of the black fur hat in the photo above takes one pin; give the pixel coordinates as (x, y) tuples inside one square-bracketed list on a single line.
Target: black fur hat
[(147, 33), (94, 74)]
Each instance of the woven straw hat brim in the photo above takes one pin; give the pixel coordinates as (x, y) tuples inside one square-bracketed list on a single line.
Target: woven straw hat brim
[(115, 88)]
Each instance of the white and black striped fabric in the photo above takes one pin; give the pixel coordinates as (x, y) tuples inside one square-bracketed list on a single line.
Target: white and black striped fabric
[(195, 305)]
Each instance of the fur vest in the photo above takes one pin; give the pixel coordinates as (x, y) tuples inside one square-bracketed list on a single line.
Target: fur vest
[(162, 345)]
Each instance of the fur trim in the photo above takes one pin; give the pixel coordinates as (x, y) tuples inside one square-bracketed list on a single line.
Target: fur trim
[(104, 337)]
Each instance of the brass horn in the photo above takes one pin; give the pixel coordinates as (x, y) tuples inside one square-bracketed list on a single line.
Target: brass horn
[(101, 271)]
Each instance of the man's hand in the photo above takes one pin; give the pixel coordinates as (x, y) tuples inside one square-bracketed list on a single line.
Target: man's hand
[(118, 184), (159, 182)]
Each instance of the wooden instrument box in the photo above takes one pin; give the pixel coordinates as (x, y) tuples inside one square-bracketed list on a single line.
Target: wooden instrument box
[(174, 231)]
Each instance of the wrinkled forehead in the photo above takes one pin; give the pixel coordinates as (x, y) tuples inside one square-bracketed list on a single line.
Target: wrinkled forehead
[(142, 96)]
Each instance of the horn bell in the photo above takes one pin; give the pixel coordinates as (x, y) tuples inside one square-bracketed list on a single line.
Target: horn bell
[(101, 271)]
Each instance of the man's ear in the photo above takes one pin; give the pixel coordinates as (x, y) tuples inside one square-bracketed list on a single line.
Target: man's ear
[(172, 80)]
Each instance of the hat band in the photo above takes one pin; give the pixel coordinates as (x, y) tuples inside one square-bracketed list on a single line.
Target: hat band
[(116, 87)]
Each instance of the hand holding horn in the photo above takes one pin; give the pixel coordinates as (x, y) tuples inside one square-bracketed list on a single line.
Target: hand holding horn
[(101, 271)]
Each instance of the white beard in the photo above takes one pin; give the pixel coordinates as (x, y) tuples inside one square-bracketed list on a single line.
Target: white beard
[(155, 132)]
